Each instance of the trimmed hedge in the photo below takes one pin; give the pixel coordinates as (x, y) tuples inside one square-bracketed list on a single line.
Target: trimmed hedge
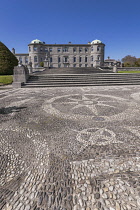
[(7, 60)]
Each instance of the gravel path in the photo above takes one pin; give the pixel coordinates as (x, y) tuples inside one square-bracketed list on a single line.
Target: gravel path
[(70, 148)]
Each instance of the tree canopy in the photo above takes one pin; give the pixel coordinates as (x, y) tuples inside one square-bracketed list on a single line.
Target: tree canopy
[(7, 60), (131, 61)]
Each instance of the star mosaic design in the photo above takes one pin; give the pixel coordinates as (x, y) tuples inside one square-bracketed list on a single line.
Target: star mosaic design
[(86, 105)]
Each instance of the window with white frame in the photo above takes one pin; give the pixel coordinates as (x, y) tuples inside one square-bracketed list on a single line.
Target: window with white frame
[(35, 48), (74, 49), (59, 60), (58, 49), (80, 49), (35, 58), (65, 49), (98, 48), (46, 49), (50, 49), (65, 59), (26, 59), (74, 59), (98, 58), (20, 59)]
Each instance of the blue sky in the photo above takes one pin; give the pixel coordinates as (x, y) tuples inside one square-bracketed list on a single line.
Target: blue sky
[(115, 22)]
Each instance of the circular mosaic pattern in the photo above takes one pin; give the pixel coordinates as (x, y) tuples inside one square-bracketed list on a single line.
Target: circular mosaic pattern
[(94, 106), (97, 136)]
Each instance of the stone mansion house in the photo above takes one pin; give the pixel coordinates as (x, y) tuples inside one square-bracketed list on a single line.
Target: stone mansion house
[(63, 55)]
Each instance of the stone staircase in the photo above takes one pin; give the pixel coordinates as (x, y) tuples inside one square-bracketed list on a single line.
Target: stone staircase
[(71, 78)]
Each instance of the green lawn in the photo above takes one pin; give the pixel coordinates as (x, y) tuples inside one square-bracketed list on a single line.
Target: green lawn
[(128, 71), (6, 79)]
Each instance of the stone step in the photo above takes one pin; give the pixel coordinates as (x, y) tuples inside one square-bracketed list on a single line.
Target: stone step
[(64, 80), (75, 85), (54, 78), (83, 82), (80, 78), (95, 74)]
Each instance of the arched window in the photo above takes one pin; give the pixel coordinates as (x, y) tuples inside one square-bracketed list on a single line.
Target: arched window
[(35, 58)]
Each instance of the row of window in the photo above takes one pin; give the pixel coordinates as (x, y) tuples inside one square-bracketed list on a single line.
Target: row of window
[(74, 65), (25, 60), (65, 49), (98, 48), (65, 59)]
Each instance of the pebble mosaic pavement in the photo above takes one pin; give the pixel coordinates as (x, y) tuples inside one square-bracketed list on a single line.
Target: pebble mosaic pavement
[(70, 148)]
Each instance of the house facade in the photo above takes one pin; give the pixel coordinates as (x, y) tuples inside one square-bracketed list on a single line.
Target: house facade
[(63, 55)]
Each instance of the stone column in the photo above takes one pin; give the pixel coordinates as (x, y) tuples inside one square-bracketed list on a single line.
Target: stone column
[(30, 68), (20, 76), (115, 68), (46, 63)]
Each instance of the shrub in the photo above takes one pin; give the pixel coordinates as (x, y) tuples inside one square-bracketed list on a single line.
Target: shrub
[(42, 64), (7, 60)]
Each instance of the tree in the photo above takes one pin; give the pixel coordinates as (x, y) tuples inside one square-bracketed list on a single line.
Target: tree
[(7, 60), (129, 60), (137, 63)]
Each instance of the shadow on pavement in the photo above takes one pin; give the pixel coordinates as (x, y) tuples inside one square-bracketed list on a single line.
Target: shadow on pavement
[(9, 110)]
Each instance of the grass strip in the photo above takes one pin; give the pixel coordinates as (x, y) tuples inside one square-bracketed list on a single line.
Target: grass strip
[(6, 79), (128, 71)]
